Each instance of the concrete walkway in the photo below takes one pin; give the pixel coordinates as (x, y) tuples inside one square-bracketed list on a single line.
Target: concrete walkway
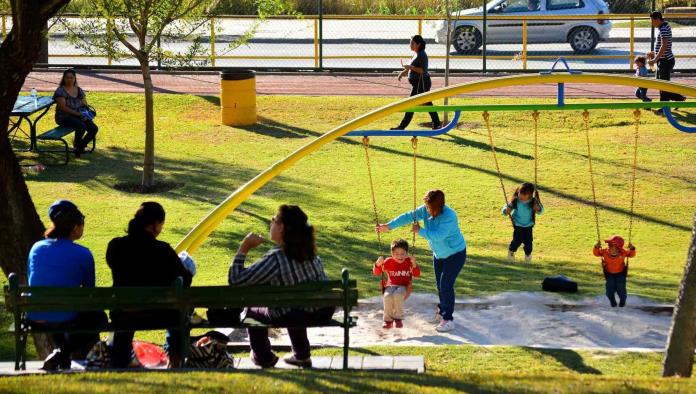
[(312, 84), (414, 364)]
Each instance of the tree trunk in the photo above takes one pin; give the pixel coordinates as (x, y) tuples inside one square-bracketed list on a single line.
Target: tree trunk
[(20, 225), (679, 358), (149, 162), (43, 52)]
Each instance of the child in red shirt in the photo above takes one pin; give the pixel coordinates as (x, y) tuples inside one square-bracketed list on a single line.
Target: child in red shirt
[(615, 268), (400, 269)]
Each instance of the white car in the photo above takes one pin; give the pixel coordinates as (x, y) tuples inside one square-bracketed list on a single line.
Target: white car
[(582, 35)]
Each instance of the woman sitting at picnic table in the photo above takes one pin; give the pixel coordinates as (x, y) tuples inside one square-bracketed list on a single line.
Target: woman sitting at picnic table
[(71, 100), (292, 261), (139, 259), (57, 261)]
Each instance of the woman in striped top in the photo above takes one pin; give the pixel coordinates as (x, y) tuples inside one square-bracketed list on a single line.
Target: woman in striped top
[(292, 261), (663, 56)]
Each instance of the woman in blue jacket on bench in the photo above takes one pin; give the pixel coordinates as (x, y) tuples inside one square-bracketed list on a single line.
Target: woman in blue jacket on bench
[(57, 261)]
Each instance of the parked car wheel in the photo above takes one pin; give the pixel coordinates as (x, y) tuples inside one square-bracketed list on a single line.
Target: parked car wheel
[(583, 39), (466, 39)]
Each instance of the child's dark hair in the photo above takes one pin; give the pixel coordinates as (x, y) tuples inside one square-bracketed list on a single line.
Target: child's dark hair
[(640, 59), (298, 234), (149, 213), (399, 243), (418, 39)]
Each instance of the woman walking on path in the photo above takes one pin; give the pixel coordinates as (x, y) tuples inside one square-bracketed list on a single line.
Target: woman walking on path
[(419, 78), (441, 230)]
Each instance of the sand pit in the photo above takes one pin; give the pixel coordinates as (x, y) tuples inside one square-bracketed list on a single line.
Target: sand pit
[(524, 319)]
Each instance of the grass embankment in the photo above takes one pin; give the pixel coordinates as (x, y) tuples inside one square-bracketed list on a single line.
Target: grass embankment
[(449, 369)]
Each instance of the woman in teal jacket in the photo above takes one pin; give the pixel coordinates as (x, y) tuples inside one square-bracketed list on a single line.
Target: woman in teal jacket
[(441, 230)]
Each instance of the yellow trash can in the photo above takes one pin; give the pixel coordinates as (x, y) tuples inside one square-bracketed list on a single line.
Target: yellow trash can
[(238, 97)]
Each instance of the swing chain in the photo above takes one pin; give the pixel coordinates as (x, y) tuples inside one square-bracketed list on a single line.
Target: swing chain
[(636, 116), (366, 145), (486, 118), (586, 121), (535, 115), (414, 144)]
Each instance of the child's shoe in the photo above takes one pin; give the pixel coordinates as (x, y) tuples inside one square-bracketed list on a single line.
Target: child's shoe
[(399, 323), (511, 256), (445, 326), (528, 258), (387, 325)]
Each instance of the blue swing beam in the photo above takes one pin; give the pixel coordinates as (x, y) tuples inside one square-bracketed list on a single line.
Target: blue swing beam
[(560, 105)]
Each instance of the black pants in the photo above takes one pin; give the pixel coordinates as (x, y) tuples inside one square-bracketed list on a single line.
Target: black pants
[(422, 85), (81, 343), (122, 346), (522, 235), (616, 284), (81, 140), (258, 337), (642, 93), (664, 69)]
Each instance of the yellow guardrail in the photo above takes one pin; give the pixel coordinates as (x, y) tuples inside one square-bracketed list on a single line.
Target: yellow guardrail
[(523, 56)]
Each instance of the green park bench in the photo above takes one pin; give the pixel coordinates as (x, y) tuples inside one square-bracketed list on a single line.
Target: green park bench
[(20, 299), (58, 134)]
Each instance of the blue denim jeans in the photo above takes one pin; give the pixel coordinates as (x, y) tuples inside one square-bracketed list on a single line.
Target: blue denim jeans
[(446, 272)]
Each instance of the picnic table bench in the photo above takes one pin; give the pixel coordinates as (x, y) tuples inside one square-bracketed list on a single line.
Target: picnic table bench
[(20, 299)]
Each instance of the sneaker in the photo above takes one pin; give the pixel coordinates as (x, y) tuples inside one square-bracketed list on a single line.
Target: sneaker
[(445, 326), (528, 258), (511, 256), (269, 364), (397, 128), (437, 126), (387, 325), (299, 362), (399, 323), (659, 112)]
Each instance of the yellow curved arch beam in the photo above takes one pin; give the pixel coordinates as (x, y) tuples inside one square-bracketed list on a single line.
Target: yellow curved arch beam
[(202, 230)]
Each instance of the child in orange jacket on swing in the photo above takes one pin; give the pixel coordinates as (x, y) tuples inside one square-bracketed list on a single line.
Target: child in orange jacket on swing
[(400, 269), (615, 267)]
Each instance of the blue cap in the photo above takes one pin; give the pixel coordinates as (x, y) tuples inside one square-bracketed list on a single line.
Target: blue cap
[(61, 207)]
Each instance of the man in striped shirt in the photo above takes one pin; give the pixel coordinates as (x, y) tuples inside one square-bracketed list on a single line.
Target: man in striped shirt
[(663, 56)]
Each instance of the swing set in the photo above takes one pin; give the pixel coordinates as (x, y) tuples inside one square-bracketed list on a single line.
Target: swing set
[(197, 236), (535, 108)]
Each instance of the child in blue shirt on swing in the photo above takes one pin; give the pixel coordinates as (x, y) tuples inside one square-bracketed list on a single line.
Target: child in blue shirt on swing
[(523, 208)]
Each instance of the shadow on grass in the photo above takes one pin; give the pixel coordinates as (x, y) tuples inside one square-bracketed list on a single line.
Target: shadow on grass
[(569, 358)]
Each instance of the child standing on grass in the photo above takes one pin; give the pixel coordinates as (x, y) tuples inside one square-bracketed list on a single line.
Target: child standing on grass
[(523, 208), (615, 267), (641, 71), (400, 269)]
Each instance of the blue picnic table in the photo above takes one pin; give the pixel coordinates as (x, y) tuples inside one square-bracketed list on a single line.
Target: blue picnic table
[(23, 110)]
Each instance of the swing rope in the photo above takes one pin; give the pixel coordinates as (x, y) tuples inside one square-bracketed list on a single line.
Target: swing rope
[(535, 115), (486, 118), (586, 121), (636, 116), (366, 145), (414, 144)]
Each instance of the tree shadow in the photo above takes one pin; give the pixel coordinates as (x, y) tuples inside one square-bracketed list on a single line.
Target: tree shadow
[(569, 358), (482, 146)]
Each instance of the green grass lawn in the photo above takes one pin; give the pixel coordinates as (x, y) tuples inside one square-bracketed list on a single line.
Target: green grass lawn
[(208, 161), (448, 369)]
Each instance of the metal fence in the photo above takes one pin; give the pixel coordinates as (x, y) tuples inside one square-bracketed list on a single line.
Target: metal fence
[(510, 43)]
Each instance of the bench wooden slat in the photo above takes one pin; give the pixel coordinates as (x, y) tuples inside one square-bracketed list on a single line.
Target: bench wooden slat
[(56, 133)]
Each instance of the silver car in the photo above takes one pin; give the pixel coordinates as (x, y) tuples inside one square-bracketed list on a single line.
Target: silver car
[(582, 35)]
